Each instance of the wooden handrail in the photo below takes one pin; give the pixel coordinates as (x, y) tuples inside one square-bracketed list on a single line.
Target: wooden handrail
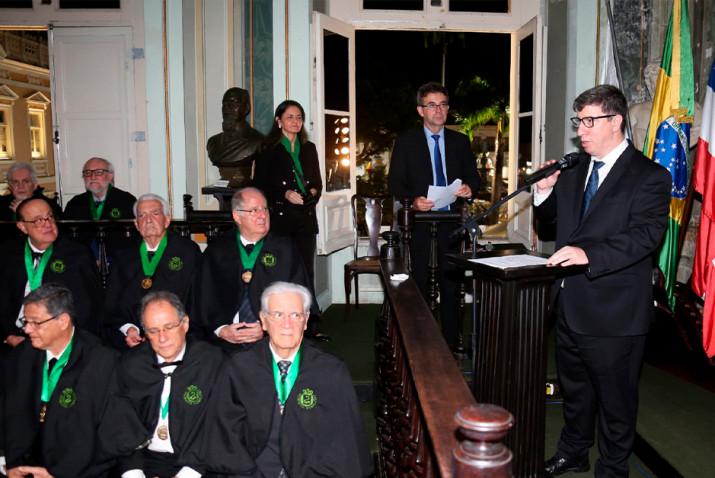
[(420, 386)]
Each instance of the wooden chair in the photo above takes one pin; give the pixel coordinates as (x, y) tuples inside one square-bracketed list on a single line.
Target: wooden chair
[(370, 263)]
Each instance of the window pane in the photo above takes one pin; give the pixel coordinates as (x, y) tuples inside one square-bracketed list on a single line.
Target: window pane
[(491, 6), (524, 150), (335, 50), (337, 152), (35, 120), (89, 4), (526, 74), (392, 4)]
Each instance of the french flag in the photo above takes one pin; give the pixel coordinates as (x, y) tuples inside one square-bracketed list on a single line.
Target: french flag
[(703, 278)]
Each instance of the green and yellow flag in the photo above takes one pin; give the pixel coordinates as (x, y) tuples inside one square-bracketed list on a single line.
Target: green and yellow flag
[(668, 133)]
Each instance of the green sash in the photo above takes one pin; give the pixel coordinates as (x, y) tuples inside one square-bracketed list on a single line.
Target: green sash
[(283, 388), (149, 266), (49, 381), (34, 276), (297, 167)]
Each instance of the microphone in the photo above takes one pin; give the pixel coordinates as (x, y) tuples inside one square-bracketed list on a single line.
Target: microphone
[(567, 161)]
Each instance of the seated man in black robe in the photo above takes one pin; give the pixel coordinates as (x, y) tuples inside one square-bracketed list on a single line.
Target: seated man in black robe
[(101, 201), (55, 389), (237, 268), (154, 422), (23, 184), (163, 261), (41, 257), (284, 408)]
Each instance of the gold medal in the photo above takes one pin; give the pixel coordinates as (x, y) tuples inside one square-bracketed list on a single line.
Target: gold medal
[(147, 283), (162, 432), (43, 412), (247, 276)]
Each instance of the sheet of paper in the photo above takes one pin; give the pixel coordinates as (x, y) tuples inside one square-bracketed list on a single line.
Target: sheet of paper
[(508, 262), (443, 196)]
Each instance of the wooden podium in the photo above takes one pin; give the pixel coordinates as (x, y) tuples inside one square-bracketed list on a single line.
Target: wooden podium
[(510, 358)]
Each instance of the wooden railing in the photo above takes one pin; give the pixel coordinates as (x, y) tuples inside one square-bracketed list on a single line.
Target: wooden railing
[(420, 390)]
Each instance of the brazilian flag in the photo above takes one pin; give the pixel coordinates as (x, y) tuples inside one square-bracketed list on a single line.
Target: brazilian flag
[(668, 133)]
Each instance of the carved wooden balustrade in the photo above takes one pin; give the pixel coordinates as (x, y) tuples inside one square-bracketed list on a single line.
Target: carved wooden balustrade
[(420, 388)]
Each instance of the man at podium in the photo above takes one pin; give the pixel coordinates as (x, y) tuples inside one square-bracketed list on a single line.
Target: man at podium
[(610, 210)]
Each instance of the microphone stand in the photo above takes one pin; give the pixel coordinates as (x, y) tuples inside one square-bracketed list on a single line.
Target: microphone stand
[(471, 224)]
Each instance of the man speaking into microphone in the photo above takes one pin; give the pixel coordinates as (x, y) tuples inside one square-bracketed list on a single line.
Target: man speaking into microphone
[(610, 211)]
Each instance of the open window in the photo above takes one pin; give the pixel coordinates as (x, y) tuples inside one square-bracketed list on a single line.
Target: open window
[(334, 128)]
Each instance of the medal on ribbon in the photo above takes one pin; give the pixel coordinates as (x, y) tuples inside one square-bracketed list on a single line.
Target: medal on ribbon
[(248, 260), (49, 382), (34, 275), (149, 266)]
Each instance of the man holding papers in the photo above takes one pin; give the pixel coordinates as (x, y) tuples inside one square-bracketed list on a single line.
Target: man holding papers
[(433, 156)]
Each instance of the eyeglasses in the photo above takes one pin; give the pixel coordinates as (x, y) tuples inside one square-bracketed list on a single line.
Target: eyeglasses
[(39, 221), (154, 331), (256, 210), (88, 173), (35, 323), (587, 120), (18, 182), (277, 315), (434, 106)]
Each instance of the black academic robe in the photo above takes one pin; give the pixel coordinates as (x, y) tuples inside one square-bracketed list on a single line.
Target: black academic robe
[(7, 214), (69, 445), (133, 413), (219, 286), (71, 265), (321, 431), (118, 205), (175, 273)]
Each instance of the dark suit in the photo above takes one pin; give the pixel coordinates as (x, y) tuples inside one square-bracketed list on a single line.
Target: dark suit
[(411, 176), (71, 265), (320, 432), (175, 273), (66, 443), (274, 176), (7, 214), (219, 287), (605, 311)]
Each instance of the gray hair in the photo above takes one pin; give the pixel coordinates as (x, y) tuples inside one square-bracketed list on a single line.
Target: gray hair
[(107, 163), (286, 288), (237, 199), (56, 298), (152, 197), (163, 296), (18, 166)]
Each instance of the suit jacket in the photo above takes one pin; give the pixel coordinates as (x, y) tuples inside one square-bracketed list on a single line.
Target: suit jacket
[(71, 265), (321, 430), (411, 164), (7, 214), (621, 230), (133, 413), (175, 273), (69, 447), (219, 287), (274, 176)]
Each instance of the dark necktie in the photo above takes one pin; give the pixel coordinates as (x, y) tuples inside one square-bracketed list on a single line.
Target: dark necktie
[(591, 187), (50, 365), (245, 311), (440, 180), (150, 255), (283, 367), (36, 258)]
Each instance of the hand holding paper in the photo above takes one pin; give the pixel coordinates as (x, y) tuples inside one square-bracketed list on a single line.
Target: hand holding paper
[(443, 196)]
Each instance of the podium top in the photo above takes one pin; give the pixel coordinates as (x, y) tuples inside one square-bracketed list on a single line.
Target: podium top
[(507, 272)]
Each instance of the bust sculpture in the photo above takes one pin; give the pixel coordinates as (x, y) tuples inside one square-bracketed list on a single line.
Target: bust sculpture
[(233, 149)]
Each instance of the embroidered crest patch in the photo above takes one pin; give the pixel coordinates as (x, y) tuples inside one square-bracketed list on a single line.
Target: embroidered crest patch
[(115, 213), (268, 259), (307, 399), (193, 395), (67, 398), (176, 264), (58, 266)]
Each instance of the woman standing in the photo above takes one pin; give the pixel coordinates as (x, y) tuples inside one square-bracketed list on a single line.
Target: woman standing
[(288, 173)]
